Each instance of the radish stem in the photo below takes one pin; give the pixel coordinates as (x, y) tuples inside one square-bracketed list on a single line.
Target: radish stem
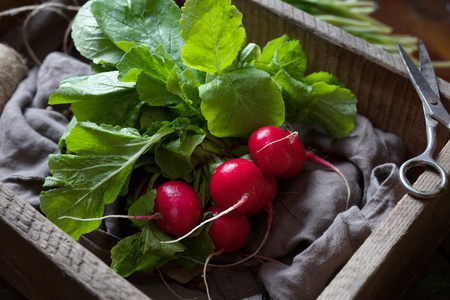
[(314, 158)]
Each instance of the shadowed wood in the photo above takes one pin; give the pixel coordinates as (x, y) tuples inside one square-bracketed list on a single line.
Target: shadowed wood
[(31, 244)]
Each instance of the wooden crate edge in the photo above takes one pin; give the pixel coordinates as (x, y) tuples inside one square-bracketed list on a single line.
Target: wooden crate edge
[(32, 244), (389, 260)]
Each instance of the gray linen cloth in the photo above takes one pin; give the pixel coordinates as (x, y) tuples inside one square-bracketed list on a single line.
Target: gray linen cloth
[(312, 235)]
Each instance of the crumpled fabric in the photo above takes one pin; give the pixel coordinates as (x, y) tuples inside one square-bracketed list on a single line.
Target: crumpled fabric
[(312, 235), (312, 269)]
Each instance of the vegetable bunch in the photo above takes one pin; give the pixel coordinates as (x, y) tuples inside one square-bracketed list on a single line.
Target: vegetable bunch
[(172, 92), (354, 16)]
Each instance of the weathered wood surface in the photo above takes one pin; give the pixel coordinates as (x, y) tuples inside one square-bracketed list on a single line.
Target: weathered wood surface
[(43, 262)]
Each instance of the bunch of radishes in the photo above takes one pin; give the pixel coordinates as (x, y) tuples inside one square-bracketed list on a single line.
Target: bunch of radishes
[(239, 187)]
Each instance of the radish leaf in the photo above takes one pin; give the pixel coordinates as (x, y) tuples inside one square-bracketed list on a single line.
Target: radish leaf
[(144, 251), (91, 41), (131, 23), (239, 102), (298, 96), (118, 101), (83, 183), (143, 206), (212, 33), (334, 109), (174, 158), (269, 49), (156, 65)]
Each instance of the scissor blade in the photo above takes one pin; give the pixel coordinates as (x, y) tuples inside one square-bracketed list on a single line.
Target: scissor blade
[(431, 102), (426, 68)]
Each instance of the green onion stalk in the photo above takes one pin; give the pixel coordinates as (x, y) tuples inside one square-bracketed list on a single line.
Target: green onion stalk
[(354, 17)]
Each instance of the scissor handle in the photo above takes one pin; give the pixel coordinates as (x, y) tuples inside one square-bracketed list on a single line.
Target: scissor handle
[(425, 161)]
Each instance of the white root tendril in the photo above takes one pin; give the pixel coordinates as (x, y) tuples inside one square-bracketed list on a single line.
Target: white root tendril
[(263, 241), (170, 289), (254, 254), (204, 271), (151, 217), (18, 10), (291, 137), (50, 6), (243, 199)]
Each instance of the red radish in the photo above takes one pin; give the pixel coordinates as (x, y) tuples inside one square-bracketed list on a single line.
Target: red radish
[(270, 191), (229, 232), (306, 155), (234, 178), (243, 200), (271, 150), (179, 206), (261, 142), (299, 158)]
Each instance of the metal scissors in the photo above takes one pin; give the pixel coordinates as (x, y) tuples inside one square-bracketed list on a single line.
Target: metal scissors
[(426, 85)]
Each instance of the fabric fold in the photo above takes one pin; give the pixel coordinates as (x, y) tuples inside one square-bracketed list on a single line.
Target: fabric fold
[(312, 269)]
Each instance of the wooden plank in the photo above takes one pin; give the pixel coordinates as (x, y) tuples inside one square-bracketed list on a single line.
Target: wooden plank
[(43, 262), (387, 262)]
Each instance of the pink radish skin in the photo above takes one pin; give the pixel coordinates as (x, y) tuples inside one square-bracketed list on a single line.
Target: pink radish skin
[(229, 232), (271, 150), (179, 206), (299, 158), (270, 191), (234, 178)]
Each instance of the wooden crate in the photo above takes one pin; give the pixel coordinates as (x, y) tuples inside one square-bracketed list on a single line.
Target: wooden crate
[(383, 266)]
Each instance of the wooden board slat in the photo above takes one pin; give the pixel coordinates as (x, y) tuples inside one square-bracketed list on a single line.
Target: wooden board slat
[(385, 265), (61, 267)]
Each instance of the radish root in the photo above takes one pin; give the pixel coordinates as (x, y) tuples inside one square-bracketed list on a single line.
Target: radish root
[(254, 254), (290, 137), (266, 235), (243, 199), (170, 289), (155, 216), (204, 271)]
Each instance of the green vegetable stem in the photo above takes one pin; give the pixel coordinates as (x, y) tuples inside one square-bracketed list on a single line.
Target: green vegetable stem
[(354, 16), (172, 91)]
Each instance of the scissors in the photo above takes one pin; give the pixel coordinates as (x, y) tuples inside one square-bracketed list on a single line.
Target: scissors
[(425, 83)]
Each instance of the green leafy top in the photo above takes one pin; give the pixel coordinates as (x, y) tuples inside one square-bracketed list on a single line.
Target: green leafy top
[(170, 90), (212, 33)]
